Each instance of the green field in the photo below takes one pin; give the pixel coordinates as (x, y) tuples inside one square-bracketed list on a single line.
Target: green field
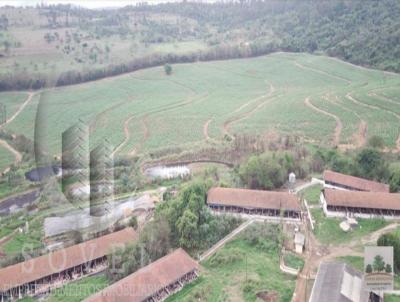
[(321, 99), (328, 231), (224, 277), (312, 194)]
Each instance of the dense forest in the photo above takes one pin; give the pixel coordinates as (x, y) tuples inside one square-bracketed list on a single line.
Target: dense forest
[(366, 33)]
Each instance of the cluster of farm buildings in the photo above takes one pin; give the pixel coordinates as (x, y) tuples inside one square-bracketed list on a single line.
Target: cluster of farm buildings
[(342, 196)]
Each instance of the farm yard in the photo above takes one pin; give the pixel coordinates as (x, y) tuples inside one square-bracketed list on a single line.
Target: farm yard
[(323, 100)]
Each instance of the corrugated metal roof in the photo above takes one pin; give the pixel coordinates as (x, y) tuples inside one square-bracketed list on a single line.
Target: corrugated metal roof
[(357, 199), (253, 199), (148, 280), (60, 260), (355, 182), (337, 282)]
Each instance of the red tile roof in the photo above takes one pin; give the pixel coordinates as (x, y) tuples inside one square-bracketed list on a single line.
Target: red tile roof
[(357, 199), (60, 260), (355, 182), (148, 280), (253, 199)]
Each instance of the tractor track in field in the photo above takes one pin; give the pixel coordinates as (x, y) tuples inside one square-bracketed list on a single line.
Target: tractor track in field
[(5, 144), (375, 107), (339, 124), (322, 72), (361, 135), (127, 135), (205, 129), (227, 124), (382, 97), (146, 135), (99, 118)]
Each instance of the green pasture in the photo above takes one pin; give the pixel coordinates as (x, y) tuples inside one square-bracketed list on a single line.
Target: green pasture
[(238, 270), (257, 96), (328, 231)]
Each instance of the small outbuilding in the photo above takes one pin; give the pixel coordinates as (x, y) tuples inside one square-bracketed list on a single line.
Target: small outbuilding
[(299, 241)]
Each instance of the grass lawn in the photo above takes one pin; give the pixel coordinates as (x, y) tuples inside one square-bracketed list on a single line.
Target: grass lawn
[(354, 261), (312, 194), (328, 231), (225, 277), (293, 261), (79, 290), (392, 298)]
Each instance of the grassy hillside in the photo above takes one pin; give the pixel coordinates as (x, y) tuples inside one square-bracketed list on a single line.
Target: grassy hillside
[(321, 99)]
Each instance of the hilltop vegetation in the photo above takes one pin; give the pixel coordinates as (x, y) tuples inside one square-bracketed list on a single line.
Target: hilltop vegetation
[(82, 45)]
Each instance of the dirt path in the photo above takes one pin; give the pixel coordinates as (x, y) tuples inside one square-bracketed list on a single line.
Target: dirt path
[(127, 135), (227, 124), (322, 72), (382, 97), (339, 124), (22, 107), (146, 135), (361, 136), (5, 144), (205, 129), (351, 98)]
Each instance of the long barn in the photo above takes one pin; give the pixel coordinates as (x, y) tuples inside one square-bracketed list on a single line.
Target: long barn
[(338, 203), (334, 180), (40, 275), (153, 283), (254, 202)]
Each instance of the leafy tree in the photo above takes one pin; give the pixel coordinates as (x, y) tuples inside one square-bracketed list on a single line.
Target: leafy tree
[(391, 239), (388, 268), (394, 181), (187, 228), (368, 269), (379, 264), (376, 142), (133, 222), (168, 69), (371, 164)]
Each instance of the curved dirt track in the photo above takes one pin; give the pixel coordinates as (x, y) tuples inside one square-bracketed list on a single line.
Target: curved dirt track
[(17, 154), (146, 134), (351, 98), (127, 135), (322, 72), (339, 124), (205, 129), (227, 124), (361, 135)]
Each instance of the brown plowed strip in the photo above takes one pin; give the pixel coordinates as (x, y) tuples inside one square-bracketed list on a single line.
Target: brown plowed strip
[(361, 135), (322, 72), (339, 125), (348, 96), (205, 129)]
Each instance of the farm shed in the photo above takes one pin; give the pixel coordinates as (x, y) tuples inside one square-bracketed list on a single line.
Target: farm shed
[(299, 241), (336, 180), (338, 203), (338, 282), (42, 274), (254, 202), (154, 282)]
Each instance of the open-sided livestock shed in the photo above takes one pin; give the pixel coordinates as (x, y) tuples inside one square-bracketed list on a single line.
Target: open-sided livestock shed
[(154, 282), (254, 202), (339, 203), (347, 182), (42, 274)]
